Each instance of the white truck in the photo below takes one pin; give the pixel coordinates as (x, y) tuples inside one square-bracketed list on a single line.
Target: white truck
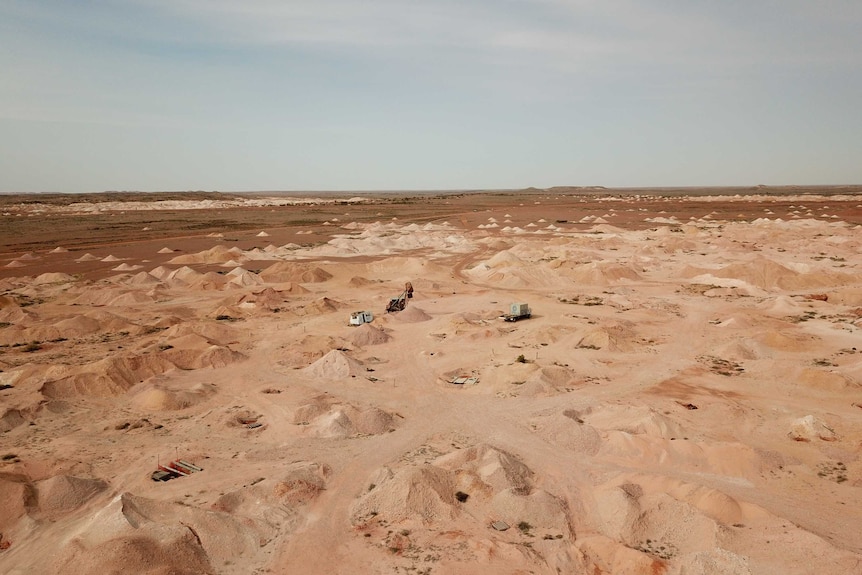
[(360, 317), (518, 311)]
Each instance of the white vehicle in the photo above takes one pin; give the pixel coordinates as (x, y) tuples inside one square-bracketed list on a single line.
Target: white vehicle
[(518, 311), (360, 317)]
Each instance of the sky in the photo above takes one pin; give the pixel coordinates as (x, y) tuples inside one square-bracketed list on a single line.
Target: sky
[(302, 95)]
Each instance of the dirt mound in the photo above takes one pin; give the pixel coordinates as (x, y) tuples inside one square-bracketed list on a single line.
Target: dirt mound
[(539, 509), (308, 349), (272, 500), (163, 537), (142, 279), (182, 276), (210, 281), (215, 255), (105, 378), (327, 417), (367, 334), (345, 421), (785, 341), (302, 483), (412, 314), (425, 493), (464, 490), (823, 380), (769, 275), (12, 313), (193, 352), (268, 298), (850, 296), (495, 468), (161, 272), (612, 337), (215, 333), (62, 493), (634, 420), (316, 307), (17, 496), (335, 365), (810, 428), (294, 272), (359, 281), (240, 277), (92, 322), (126, 268), (52, 278), (11, 419), (599, 273), (170, 398), (568, 430)]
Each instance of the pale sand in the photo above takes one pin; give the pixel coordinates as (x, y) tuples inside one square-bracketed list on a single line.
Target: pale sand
[(685, 399)]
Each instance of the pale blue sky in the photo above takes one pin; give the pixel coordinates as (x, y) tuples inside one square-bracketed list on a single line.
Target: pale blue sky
[(382, 94)]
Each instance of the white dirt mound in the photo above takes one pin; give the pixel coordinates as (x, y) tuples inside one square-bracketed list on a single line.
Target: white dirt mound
[(335, 365), (142, 279), (425, 493), (215, 255), (52, 278), (496, 468), (809, 428)]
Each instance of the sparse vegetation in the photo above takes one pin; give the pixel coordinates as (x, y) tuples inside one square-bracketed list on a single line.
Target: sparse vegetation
[(659, 549), (585, 300), (836, 472), (32, 346), (721, 366)]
